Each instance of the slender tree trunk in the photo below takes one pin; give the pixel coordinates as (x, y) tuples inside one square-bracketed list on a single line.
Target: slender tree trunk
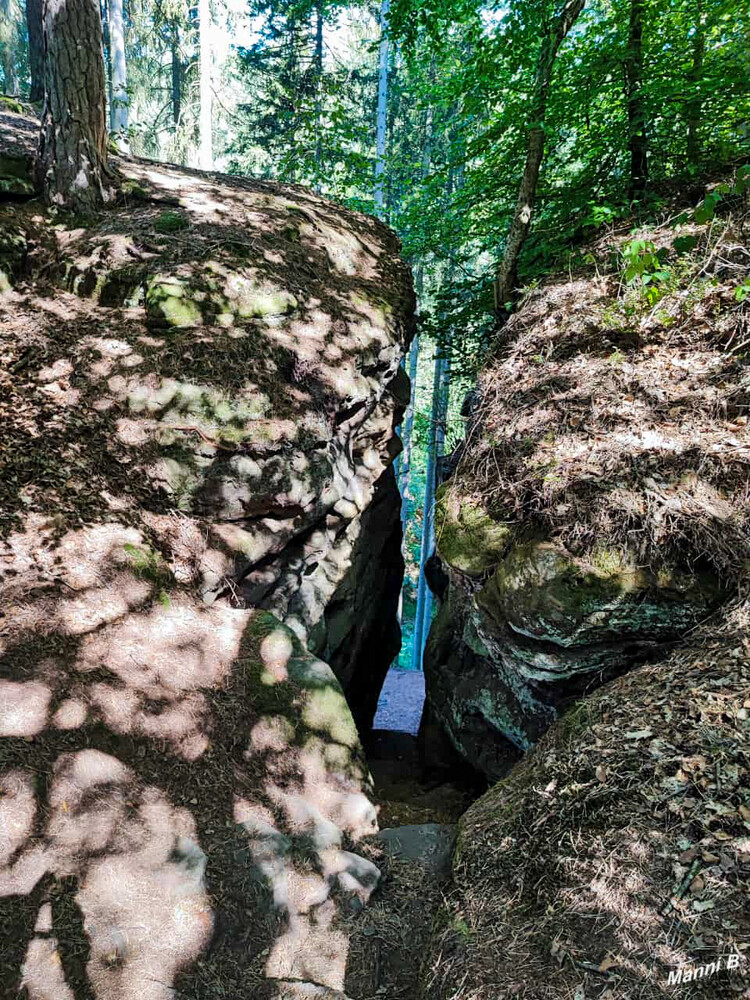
[(637, 139), (36, 49), (104, 7), (7, 54), (318, 67), (382, 118), (206, 155), (440, 426), (405, 456), (694, 104), (120, 99), (73, 142), (554, 34), (293, 82), (177, 73), (420, 631)]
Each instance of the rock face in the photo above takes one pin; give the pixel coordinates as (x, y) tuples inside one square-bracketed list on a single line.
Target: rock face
[(505, 654), (359, 633), (198, 425), (595, 515)]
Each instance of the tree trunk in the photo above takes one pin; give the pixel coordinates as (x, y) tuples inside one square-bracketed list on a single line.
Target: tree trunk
[(8, 56), (379, 193), (176, 74), (428, 518), (73, 141), (206, 155), (554, 34), (36, 49), (318, 66), (440, 417), (119, 72), (104, 7), (694, 104), (637, 141), (405, 456)]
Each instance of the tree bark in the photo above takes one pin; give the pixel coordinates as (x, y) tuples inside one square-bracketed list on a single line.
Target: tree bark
[(421, 624), (36, 49), (119, 72), (694, 104), (206, 155), (382, 116), (554, 34), (637, 139), (73, 141), (7, 55), (318, 68), (176, 74)]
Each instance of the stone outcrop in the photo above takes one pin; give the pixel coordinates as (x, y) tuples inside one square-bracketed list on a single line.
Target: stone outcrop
[(196, 485), (506, 652), (617, 847), (595, 513)]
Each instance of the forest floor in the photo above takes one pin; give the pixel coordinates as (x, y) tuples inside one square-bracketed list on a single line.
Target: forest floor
[(618, 850)]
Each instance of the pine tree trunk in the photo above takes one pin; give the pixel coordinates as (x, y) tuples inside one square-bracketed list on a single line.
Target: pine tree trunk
[(36, 49), (73, 141), (382, 118), (555, 33), (637, 140), (7, 55), (206, 155), (119, 72)]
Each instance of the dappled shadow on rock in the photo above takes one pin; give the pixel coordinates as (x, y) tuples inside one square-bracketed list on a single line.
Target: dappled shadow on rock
[(178, 781), (198, 393)]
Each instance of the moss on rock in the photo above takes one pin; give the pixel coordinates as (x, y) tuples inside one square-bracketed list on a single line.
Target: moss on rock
[(543, 592), (468, 539)]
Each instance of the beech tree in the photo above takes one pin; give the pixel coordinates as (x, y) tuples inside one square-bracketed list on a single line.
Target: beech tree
[(206, 155), (119, 117), (7, 48), (636, 109), (73, 142), (382, 109), (555, 31)]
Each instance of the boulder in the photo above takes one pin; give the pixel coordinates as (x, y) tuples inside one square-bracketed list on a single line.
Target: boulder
[(182, 779), (617, 847), (18, 138), (595, 513), (428, 844), (505, 655)]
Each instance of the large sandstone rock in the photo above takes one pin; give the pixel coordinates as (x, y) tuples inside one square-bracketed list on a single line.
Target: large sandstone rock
[(181, 501), (618, 848), (596, 511), (505, 653)]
